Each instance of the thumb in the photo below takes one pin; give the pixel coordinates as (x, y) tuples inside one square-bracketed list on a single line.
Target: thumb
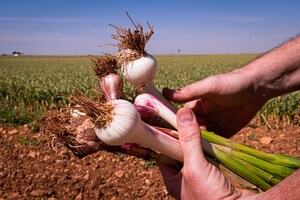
[(189, 136)]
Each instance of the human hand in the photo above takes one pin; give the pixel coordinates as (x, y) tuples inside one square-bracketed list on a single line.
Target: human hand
[(198, 178), (226, 102)]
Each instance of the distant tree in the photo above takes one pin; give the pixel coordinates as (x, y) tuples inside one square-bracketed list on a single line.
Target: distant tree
[(16, 53)]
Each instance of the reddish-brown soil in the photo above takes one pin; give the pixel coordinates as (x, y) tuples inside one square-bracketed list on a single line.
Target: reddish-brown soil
[(30, 169)]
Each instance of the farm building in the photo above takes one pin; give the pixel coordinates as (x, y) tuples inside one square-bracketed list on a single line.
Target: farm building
[(16, 53)]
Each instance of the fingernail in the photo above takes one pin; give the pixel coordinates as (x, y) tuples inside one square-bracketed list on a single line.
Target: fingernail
[(186, 116), (177, 90)]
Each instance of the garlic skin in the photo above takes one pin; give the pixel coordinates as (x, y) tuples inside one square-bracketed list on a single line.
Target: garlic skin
[(140, 71), (77, 113), (122, 129), (111, 85), (148, 105), (127, 127)]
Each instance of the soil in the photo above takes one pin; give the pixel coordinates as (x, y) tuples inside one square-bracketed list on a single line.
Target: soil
[(30, 169)]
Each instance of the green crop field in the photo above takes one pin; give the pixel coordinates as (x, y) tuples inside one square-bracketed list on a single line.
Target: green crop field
[(29, 85)]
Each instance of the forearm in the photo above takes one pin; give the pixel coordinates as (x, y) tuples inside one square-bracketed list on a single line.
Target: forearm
[(287, 189), (273, 74), (278, 71)]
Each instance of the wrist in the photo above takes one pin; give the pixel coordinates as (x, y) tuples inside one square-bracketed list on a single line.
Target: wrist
[(260, 81), (274, 78), (277, 72), (254, 80)]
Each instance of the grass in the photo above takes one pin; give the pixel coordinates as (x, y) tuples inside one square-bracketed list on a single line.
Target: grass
[(29, 85), (27, 141)]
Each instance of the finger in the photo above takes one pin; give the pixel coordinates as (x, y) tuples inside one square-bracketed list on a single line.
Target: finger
[(189, 136), (172, 179), (167, 170), (205, 88), (202, 123), (197, 108)]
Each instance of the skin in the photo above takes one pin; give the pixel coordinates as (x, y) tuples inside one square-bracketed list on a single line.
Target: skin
[(224, 104), (198, 179)]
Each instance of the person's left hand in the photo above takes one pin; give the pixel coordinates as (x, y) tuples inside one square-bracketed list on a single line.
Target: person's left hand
[(198, 178)]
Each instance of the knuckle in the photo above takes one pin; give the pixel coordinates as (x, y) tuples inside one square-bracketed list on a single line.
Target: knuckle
[(189, 133)]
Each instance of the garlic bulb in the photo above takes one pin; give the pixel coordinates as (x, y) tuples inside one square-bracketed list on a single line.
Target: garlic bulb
[(126, 126), (138, 67), (140, 71)]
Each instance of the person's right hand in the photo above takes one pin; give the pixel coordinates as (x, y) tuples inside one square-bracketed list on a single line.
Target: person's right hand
[(227, 102)]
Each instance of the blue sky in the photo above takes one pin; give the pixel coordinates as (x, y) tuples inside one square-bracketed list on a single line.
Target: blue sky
[(78, 27)]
